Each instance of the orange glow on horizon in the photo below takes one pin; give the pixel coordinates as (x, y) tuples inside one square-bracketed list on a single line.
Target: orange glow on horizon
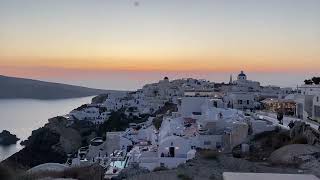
[(112, 64)]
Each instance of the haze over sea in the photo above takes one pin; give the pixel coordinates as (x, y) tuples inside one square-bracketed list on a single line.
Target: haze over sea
[(129, 80), (21, 116)]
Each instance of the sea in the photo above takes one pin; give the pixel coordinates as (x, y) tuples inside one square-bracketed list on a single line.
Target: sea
[(22, 116)]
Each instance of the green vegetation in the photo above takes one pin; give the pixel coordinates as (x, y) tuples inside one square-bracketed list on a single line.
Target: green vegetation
[(118, 121), (167, 108), (313, 80), (157, 121)]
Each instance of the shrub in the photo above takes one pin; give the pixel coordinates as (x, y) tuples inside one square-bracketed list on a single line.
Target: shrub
[(184, 177), (160, 169), (157, 122), (209, 154)]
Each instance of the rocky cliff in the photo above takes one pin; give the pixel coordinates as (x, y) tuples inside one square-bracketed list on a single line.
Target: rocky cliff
[(301, 129), (50, 143), (6, 138)]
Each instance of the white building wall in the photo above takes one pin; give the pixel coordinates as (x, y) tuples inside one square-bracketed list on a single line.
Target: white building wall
[(190, 105), (316, 108), (261, 126), (181, 145), (209, 141)]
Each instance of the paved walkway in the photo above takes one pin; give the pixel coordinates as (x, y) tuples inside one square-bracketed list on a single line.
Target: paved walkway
[(272, 117)]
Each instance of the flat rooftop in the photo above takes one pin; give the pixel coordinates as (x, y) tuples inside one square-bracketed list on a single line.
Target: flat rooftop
[(267, 176)]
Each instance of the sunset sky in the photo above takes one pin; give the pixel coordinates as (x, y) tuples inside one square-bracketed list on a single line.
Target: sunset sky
[(70, 40)]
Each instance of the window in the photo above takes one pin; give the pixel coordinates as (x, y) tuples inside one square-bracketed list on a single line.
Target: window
[(206, 143), (218, 145), (317, 111), (215, 104), (196, 113), (239, 101), (317, 98), (248, 102)]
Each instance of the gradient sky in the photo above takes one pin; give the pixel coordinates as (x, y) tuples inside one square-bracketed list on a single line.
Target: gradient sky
[(75, 39)]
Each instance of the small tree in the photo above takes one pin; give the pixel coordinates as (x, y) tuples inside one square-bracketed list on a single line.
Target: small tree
[(308, 81), (291, 124), (316, 80)]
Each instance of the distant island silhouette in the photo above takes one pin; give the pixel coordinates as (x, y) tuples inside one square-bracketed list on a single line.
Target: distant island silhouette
[(14, 88)]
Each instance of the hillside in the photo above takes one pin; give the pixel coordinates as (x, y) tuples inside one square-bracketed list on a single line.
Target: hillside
[(12, 87)]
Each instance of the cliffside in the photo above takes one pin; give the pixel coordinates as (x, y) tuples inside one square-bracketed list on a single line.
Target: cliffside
[(38, 150), (50, 143), (301, 129), (100, 99)]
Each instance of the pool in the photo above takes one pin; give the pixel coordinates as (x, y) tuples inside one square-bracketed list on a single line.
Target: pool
[(120, 164)]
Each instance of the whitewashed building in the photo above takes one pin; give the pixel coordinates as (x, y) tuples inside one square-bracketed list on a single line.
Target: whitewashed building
[(308, 102)]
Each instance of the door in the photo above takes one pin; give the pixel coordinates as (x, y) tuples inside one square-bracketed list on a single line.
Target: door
[(171, 151)]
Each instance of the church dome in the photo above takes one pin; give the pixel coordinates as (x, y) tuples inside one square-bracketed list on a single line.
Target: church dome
[(242, 76)]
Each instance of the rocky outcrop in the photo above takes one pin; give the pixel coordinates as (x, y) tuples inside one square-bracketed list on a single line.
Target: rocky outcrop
[(303, 156), (263, 144), (70, 139), (133, 170), (6, 138), (50, 143), (294, 154), (301, 129), (38, 150), (100, 99)]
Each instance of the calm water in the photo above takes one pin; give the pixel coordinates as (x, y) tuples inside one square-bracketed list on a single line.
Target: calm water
[(21, 116), (123, 80)]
